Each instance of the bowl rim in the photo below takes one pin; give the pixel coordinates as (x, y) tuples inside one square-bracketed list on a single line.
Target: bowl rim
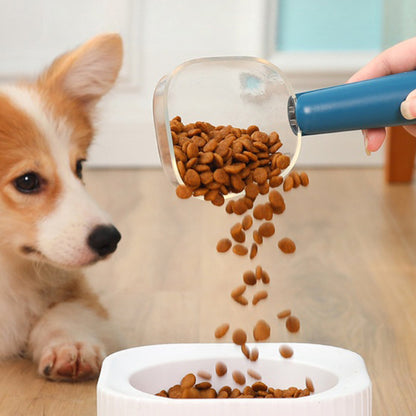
[(117, 369)]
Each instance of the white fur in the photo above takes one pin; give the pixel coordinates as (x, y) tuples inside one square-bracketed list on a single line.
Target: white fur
[(62, 235), (18, 307)]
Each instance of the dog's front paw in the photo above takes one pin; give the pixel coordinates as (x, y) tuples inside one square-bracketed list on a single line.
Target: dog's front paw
[(71, 362)]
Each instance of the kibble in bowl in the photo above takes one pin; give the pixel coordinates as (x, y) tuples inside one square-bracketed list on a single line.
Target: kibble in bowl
[(130, 380)]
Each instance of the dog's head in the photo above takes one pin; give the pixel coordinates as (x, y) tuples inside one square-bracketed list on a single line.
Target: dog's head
[(45, 131)]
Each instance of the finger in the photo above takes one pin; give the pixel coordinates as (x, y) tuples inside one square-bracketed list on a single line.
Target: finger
[(374, 138), (398, 58), (408, 106)]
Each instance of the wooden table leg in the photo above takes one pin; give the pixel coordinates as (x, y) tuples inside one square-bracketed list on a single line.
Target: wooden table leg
[(400, 155)]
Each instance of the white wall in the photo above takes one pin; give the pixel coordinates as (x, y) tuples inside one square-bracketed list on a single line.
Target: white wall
[(159, 35)]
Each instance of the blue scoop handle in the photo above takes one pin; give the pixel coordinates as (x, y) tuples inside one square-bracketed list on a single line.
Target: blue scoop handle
[(355, 106)]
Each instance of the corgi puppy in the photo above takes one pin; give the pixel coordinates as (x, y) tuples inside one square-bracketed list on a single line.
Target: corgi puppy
[(49, 227)]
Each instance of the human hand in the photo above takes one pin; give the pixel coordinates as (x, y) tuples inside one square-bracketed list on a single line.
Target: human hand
[(398, 58)]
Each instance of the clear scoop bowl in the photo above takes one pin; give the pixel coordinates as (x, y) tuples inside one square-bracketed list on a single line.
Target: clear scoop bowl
[(237, 91)]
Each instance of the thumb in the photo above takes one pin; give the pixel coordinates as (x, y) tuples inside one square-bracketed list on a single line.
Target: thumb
[(408, 106)]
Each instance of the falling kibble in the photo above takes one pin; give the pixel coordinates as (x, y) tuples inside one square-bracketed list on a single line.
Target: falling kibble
[(216, 161), (224, 245), (247, 222), (237, 233), (249, 278), (220, 369), (254, 374), (287, 245), (254, 354), (261, 330), (240, 250), (309, 385), (239, 336), (292, 324), (239, 377), (204, 374), (245, 350), (286, 351), (284, 314), (222, 330), (253, 251), (258, 296), (183, 192), (267, 229)]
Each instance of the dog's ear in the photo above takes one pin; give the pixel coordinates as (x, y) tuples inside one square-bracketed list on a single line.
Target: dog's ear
[(88, 72)]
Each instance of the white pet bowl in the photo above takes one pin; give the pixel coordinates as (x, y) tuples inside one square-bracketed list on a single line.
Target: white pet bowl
[(130, 378)]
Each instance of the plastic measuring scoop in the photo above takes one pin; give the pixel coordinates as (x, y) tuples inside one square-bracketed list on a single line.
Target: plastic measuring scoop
[(242, 91)]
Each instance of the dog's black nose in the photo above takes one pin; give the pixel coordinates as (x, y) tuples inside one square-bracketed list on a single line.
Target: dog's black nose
[(103, 239)]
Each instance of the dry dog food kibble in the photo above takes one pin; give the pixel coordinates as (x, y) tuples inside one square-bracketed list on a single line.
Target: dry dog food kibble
[(253, 251), (309, 385), (292, 324), (224, 393), (286, 351), (259, 386), (268, 211), (221, 330), (204, 374), (249, 278), (265, 278), (259, 272), (220, 369), (235, 393), (258, 296), (242, 300), (254, 354), (257, 237), (304, 179), (237, 233), (259, 212), (288, 183), (239, 336), (225, 159), (287, 245), (245, 350), (266, 229), (183, 192), (261, 330), (247, 222), (277, 202), (239, 377), (254, 374), (258, 389), (224, 245), (237, 293), (240, 250), (204, 385), (188, 381), (296, 179), (284, 314)]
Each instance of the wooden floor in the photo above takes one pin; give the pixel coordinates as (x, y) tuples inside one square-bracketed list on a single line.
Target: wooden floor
[(352, 280)]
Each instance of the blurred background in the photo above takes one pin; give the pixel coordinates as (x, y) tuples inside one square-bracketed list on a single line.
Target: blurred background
[(317, 43)]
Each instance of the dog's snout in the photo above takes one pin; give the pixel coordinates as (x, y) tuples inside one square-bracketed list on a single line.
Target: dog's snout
[(103, 239)]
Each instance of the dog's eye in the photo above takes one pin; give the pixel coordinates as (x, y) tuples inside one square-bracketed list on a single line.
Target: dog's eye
[(28, 183), (78, 168)]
